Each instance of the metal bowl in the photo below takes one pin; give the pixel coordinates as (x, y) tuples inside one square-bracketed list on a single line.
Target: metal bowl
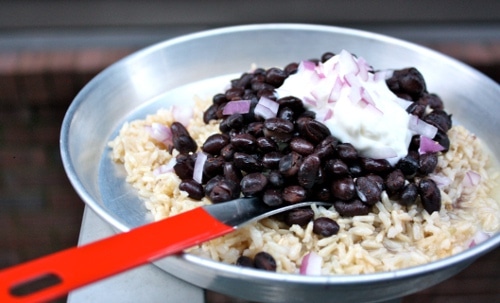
[(157, 77)]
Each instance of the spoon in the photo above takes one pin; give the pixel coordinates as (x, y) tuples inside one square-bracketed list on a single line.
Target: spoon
[(55, 275)]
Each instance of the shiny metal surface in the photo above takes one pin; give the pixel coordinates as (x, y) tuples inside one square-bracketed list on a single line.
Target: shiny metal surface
[(142, 82)]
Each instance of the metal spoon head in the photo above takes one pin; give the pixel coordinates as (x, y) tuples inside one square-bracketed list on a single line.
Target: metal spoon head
[(242, 211)]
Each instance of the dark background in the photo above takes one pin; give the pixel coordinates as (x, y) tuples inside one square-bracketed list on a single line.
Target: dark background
[(50, 49)]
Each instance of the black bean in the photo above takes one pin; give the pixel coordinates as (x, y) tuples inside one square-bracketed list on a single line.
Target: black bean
[(245, 261), (255, 129), (267, 92), (244, 143), (440, 119), (194, 189), (416, 109), (210, 184), (351, 208), (347, 152), (213, 166), (301, 146), (247, 163), (343, 188), (289, 164), (210, 113), (408, 195), (408, 165), (223, 191), (443, 140), (367, 190), (244, 81), (299, 216), (308, 171), (276, 179), (286, 113), (336, 167), (272, 197), (378, 180), (184, 166), (431, 100), (291, 68), (355, 169), (227, 152), (313, 130), (429, 195), (293, 103), (294, 194), (428, 163), (266, 144), (232, 173), (375, 165), (408, 80), (235, 121), (280, 130), (220, 111), (395, 181), (219, 99), (326, 56), (325, 227), (326, 148), (322, 194), (263, 260), (234, 93), (253, 184), (414, 143), (275, 76), (214, 143), (272, 159), (181, 139)]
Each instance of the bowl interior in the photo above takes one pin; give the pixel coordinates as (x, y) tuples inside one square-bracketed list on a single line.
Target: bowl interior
[(201, 64)]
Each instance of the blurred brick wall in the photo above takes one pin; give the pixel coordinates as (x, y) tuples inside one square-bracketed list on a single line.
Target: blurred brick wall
[(39, 211)]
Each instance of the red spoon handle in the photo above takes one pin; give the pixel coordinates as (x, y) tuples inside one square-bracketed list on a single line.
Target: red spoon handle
[(78, 266)]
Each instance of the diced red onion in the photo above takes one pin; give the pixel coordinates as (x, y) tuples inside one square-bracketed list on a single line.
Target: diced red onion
[(347, 63), (471, 178), (311, 264), (429, 146), (182, 114), (266, 108), (478, 238), (441, 180), (236, 107), (383, 75), (306, 65), (165, 168), (161, 133), (422, 128), (354, 94), (199, 164), (337, 88)]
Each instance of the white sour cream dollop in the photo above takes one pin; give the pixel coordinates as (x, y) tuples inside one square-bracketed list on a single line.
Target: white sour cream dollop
[(355, 104)]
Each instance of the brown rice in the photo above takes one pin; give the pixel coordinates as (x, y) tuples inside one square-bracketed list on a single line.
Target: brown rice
[(390, 237)]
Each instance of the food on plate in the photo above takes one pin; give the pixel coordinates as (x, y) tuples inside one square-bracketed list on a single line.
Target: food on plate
[(407, 186)]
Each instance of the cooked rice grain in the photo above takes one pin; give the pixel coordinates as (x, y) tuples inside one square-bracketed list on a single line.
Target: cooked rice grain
[(389, 238)]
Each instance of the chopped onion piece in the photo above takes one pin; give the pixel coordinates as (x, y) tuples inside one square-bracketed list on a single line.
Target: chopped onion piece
[(199, 164), (478, 238), (182, 114), (422, 128), (311, 264), (266, 108), (441, 180), (165, 168), (161, 133), (429, 146), (236, 107), (471, 178)]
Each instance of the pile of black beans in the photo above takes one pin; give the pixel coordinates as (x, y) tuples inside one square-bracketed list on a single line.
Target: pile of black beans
[(292, 157)]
